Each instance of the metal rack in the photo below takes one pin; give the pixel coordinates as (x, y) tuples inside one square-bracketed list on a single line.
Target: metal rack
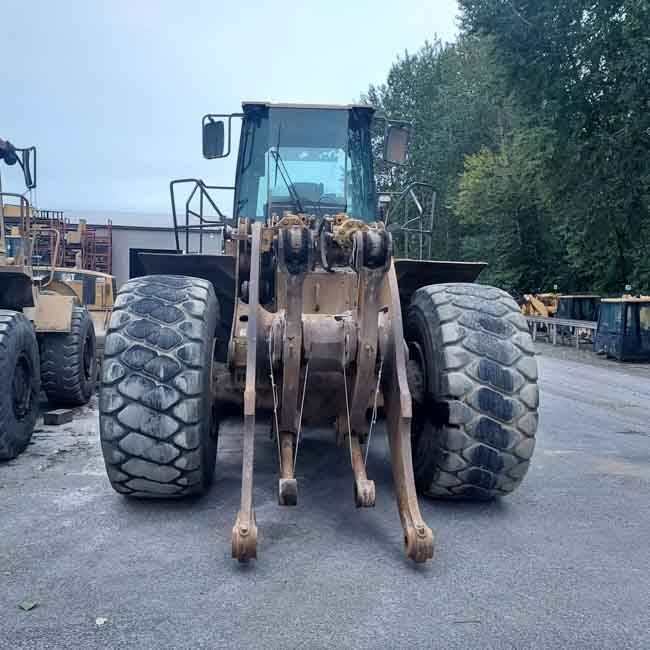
[(79, 244)]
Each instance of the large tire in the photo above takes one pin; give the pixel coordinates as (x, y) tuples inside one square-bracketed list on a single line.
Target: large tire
[(69, 361), (20, 383), (474, 431), (158, 421)]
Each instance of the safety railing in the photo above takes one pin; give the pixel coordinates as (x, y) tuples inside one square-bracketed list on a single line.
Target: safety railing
[(197, 203), (416, 231), (567, 327)]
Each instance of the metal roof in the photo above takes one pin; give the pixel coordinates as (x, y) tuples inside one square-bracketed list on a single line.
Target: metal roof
[(642, 299), (578, 295), (345, 107)]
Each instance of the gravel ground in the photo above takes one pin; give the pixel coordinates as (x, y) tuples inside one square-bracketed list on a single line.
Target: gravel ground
[(564, 562)]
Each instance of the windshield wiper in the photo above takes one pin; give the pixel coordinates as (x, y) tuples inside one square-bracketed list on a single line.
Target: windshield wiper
[(279, 164)]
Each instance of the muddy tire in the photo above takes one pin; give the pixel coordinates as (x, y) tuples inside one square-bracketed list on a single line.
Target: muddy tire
[(474, 426), (69, 361), (20, 383), (158, 423)]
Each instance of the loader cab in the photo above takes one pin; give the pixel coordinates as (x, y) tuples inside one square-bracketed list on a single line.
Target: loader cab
[(304, 159), (578, 307), (623, 331)]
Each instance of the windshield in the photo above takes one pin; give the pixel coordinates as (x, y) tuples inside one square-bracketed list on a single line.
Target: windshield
[(314, 161), (610, 318)]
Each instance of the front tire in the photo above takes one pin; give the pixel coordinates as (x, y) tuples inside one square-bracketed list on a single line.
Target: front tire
[(474, 431), (158, 424), (69, 361), (20, 383)]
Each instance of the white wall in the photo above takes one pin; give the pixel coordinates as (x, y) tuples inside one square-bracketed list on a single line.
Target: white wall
[(125, 238)]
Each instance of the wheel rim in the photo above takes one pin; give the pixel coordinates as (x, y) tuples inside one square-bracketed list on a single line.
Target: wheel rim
[(88, 358), (416, 368), (21, 388)]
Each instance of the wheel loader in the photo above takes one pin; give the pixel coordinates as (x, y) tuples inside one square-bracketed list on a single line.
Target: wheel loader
[(47, 339), (307, 315)]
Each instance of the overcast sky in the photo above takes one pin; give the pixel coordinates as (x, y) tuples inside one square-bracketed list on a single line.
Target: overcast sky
[(112, 91)]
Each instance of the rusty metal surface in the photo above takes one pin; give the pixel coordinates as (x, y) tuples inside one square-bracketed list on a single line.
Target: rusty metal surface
[(418, 537), (329, 321), (291, 241), (328, 340), (367, 317), (364, 489), (324, 292), (244, 533)]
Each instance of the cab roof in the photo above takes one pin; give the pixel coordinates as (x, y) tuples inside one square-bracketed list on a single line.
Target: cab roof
[(641, 299), (578, 295), (342, 107)]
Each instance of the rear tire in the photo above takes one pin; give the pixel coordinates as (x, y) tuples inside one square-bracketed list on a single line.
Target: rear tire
[(69, 361), (20, 383), (158, 422), (474, 431)]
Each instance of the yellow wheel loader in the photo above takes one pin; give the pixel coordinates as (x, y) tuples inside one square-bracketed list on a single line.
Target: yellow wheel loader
[(307, 313), (47, 339)]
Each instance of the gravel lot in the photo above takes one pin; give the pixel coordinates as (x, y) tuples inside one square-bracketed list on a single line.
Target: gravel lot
[(564, 562)]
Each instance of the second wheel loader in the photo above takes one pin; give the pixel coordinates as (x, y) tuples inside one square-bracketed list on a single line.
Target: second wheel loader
[(47, 338), (308, 313)]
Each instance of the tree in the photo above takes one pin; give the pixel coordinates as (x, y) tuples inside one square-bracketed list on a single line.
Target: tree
[(582, 68), (504, 210), (454, 97)]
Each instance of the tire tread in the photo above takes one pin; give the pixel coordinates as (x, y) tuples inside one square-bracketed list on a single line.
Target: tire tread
[(483, 376), (155, 387)]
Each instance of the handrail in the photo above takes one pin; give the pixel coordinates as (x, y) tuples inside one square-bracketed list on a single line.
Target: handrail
[(25, 224), (569, 322), (409, 191), (554, 323), (37, 230), (204, 224)]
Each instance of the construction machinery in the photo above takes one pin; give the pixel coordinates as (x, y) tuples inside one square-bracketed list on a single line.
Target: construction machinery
[(623, 330), (308, 314), (540, 304), (578, 306), (47, 339), (93, 290)]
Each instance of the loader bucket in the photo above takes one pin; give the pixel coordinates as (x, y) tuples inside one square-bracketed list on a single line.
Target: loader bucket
[(413, 274), (217, 269)]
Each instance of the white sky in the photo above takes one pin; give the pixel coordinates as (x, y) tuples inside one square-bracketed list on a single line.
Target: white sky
[(112, 91)]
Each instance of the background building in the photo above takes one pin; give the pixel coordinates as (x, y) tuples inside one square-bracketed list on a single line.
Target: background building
[(128, 241), (105, 246)]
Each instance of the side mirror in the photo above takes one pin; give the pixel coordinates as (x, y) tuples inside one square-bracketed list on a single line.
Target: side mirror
[(26, 158), (30, 179), (396, 142), (213, 139)]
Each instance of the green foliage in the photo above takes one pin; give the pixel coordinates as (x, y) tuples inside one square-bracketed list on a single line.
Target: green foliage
[(455, 99), (535, 130), (504, 211), (582, 67)]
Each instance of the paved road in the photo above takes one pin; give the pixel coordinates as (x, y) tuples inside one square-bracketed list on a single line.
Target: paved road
[(564, 562)]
